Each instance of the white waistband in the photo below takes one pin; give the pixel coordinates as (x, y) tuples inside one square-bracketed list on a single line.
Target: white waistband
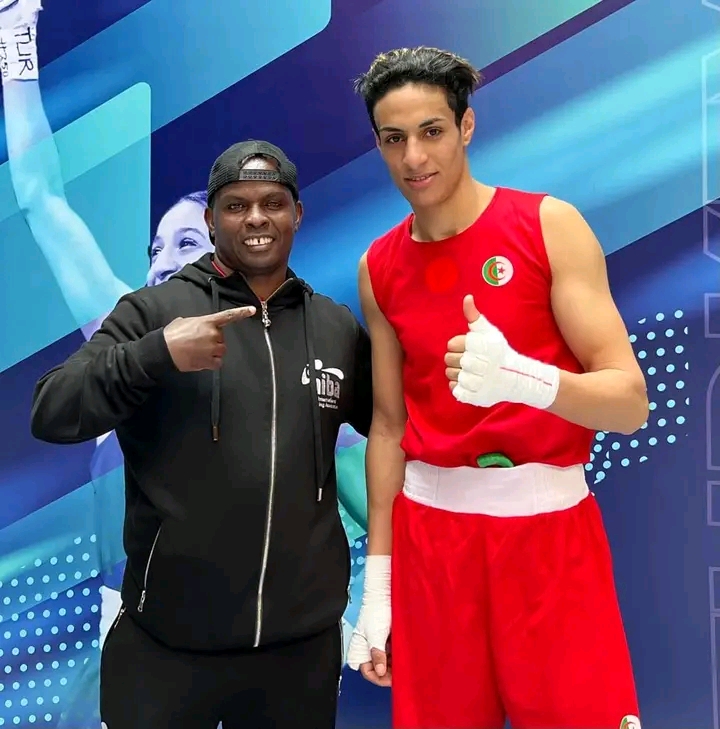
[(533, 488)]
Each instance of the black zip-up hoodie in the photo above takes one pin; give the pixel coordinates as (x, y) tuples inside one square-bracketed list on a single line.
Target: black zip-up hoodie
[(232, 529)]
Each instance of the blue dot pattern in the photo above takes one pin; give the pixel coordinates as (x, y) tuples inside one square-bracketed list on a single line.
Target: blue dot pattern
[(357, 538), (660, 344), (357, 541), (49, 625)]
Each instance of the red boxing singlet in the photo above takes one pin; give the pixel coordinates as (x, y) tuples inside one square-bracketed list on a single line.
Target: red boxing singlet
[(419, 287)]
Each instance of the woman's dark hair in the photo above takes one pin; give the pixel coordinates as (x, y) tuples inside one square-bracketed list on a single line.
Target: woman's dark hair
[(199, 197), (421, 65)]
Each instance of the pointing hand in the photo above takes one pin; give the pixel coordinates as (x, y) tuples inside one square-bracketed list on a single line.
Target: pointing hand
[(197, 342)]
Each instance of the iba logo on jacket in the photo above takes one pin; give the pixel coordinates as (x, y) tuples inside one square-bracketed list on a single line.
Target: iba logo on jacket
[(327, 383), (497, 271)]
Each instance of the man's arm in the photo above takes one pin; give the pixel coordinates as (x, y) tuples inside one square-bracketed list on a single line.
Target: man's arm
[(385, 459), (611, 394), (351, 487), (105, 381)]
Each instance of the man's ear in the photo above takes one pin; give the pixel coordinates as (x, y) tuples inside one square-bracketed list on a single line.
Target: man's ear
[(210, 222), (467, 126), (298, 214)]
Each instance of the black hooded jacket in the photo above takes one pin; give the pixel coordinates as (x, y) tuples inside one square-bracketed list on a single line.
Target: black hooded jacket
[(232, 529)]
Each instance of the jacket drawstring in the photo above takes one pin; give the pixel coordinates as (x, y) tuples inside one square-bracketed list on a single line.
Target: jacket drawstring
[(215, 404), (316, 420)]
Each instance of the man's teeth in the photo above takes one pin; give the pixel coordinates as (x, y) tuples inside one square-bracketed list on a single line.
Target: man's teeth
[(420, 178), (258, 241)]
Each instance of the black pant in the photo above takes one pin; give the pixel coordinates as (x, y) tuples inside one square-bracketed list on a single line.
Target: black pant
[(144, 685)]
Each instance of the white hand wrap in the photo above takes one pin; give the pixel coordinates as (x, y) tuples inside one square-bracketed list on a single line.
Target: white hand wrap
[(18, 49), (373, 625), (492, 372)]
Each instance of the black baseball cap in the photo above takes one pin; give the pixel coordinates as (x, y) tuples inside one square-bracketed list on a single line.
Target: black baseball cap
[(228, 168)]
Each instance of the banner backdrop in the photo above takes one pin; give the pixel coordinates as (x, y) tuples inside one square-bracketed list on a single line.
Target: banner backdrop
[(613, 105)]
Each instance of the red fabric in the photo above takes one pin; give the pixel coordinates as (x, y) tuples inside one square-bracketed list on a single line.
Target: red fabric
[(420, 287), (217, 268), (497, 617), (224, 275)]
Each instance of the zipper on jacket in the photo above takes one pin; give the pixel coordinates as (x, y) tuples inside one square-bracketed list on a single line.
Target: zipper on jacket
[(271, 488), (342, 656), (115, 623), (143, 594), (121, 612)]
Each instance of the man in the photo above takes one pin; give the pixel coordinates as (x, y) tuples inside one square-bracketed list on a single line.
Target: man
[(227, 386), (86, 280), (503, 598)]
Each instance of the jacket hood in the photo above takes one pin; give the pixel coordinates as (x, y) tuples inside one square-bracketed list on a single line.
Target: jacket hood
[(235, 287)]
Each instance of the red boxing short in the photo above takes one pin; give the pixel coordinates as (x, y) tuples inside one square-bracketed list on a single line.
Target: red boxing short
[(504, 603)]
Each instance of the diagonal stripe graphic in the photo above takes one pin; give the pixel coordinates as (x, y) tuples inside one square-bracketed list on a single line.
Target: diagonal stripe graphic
[(554, 36), (89, 141), (482, 31), (187, 51)]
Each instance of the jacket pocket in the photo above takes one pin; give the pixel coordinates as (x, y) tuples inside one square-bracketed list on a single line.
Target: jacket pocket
[(146, 575)]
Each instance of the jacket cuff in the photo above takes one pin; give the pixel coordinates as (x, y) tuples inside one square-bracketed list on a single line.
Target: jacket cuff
[(153, 355)]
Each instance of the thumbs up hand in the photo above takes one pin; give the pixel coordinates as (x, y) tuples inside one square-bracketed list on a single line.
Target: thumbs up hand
[(474, 359), (483, 369), (471, 311), (197, 343)]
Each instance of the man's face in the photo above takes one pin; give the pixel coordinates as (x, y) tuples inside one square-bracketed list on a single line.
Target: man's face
[(181, 238), (421, 143), (254, 224)]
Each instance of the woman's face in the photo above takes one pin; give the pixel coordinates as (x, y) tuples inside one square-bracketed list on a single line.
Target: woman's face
[(181, 238)]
